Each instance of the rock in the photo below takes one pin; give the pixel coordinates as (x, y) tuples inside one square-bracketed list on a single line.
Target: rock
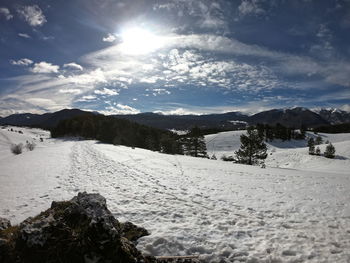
[(79, 230), (133, 232), (4, 223)]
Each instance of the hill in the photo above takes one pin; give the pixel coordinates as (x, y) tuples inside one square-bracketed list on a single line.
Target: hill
[(221, 211), (293, 118), (46, 120)]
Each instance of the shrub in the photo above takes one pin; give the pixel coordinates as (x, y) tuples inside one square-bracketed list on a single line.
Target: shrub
[(227, 158), (30, 146), (17, 148), (330, 151)]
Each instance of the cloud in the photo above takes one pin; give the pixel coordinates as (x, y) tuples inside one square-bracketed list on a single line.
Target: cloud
[(44, 67), (22, 62), (118, 108), (157, 92), (250, 7), (5, 12), (109, 38), (87, 98), (106, 91), (178, 111), (325, 38), (73, 65), (33, 15), (70, 91), (24, 35)]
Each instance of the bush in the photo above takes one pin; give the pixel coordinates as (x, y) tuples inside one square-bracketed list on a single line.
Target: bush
[(227, 158), (330, 151), (17, 148), (30, 146)]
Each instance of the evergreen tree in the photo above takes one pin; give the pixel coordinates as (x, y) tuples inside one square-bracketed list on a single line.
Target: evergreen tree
[(302, 131), (195, 144), (330, 151), (318, 140), (311, 145), (252, 148)]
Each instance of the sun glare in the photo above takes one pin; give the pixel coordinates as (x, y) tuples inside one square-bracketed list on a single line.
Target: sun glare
[(136, 41)]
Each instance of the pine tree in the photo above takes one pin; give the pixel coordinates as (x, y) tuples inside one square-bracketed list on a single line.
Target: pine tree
[(195, 144), (252, 148), (330, 151), (302, 131), (311, 145), (318, 140)]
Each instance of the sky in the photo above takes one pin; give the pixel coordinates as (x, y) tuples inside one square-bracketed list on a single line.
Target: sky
[(173, 56)]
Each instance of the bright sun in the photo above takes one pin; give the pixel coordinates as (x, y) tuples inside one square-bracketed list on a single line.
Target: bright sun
[(136, 41)]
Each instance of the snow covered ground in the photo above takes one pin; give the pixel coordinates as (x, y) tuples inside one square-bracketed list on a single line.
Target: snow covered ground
[(225, 212), (289, 154)]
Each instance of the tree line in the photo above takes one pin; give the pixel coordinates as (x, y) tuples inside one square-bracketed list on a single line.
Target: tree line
[(269, 133), (109, 129)]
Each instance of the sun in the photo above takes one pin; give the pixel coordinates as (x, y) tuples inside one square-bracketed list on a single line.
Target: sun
[(137, 41)]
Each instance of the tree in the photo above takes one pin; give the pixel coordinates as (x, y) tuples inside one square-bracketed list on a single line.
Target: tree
[(252, 150), (302, 131), (330, 151), (311, 145), (195, 144), (318, 140)]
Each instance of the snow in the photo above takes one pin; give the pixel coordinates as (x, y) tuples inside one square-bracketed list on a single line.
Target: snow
[(289, 154), (225, 212)]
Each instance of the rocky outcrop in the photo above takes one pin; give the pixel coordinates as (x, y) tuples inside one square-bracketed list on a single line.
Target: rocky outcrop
[(79, 230), (4, 223)]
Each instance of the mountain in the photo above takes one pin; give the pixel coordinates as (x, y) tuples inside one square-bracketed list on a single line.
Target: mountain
[(295, 117), (230, 120), (335, 116), (46, 120)]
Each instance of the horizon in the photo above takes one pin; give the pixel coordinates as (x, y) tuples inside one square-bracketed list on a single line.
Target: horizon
[(174, 57), (182, 113)]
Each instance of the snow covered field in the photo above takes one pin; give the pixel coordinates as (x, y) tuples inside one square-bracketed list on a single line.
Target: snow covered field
[(289, 154), (225, 212)]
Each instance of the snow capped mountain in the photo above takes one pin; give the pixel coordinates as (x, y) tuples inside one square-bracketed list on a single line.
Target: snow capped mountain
[(290, 117), (335, 116)]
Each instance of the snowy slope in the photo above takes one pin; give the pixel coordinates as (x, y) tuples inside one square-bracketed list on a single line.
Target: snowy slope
[(289, 154), (222, 211)]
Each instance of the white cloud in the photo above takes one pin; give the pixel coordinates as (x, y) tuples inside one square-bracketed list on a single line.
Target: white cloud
[(87, 79), (70, 91), (6, 13), (87, 98), (157, 92), (106, 91), (118, 108), (24, 35), (44, 67), (178, 111), (109, 38), (33, 15), (250, 7), (48, 38), (73, 65), (21, 62)]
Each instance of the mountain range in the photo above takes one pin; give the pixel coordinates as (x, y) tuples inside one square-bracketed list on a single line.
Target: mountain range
[(294, 117)]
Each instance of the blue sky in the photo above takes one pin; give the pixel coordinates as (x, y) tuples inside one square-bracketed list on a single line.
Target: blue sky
[(173, 56)]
